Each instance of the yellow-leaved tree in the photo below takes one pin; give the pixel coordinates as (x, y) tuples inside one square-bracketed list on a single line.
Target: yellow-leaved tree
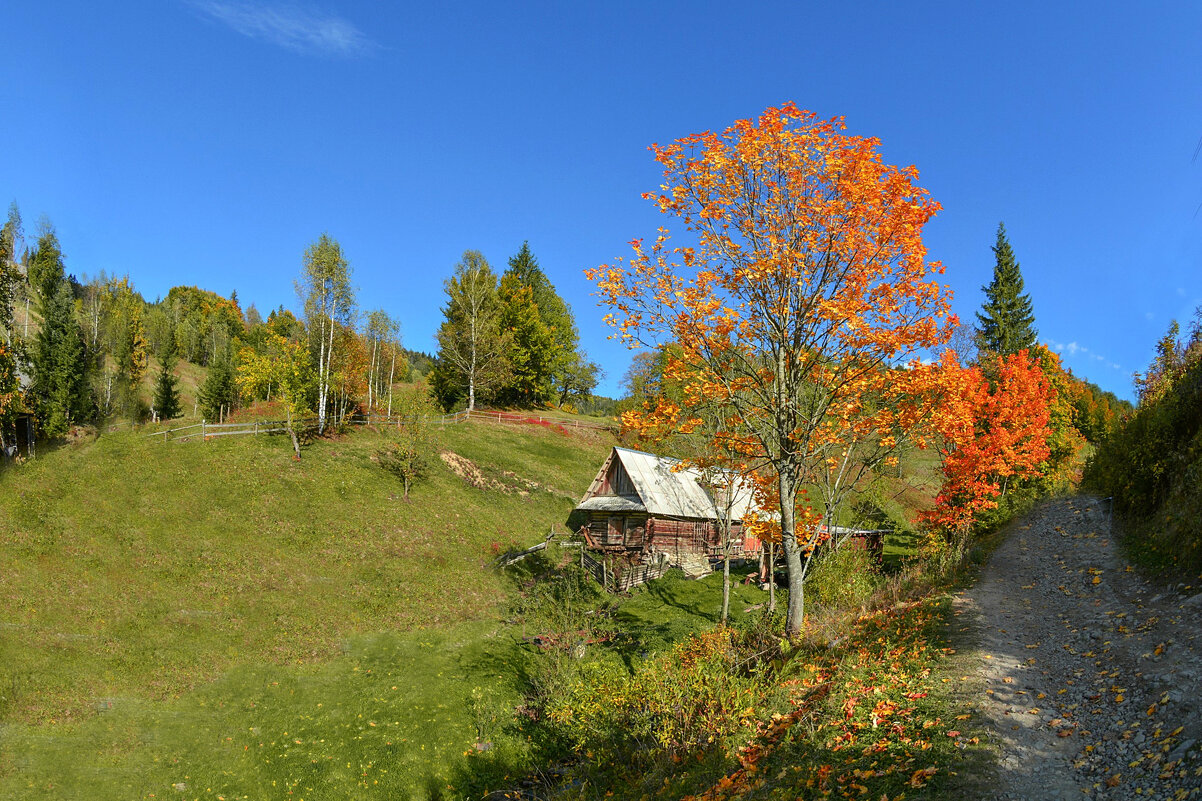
[(285, 367)]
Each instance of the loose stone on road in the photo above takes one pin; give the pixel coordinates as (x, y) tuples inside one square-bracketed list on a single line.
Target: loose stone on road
[(1091, 677)]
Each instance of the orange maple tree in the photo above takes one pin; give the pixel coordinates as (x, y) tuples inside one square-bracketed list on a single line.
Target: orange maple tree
[(993, 432), (802, 287)]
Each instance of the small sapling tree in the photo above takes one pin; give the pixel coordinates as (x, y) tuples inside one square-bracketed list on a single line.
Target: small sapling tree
[(408, 457)]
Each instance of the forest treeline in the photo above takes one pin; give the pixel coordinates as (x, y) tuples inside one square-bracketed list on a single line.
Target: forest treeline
[(80, 351), (1151, 464)]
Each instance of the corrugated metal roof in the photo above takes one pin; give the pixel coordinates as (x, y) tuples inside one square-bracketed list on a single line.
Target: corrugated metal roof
[(666, 491), (612, 503)]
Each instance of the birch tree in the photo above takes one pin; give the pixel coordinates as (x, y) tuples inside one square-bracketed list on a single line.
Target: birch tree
[(329, 300), (382, 334), (471, 345), (10, 275)]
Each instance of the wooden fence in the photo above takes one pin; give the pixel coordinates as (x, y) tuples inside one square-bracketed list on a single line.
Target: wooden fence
[(597, 570), (625, 577), (207, 430), (522, 418)]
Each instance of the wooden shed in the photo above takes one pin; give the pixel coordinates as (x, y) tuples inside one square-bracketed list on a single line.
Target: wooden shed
[(641, 506)]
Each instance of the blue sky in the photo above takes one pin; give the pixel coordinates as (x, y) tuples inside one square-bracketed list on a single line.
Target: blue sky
[(209, 141)]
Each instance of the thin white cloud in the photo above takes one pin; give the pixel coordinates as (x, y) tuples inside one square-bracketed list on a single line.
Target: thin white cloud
[(1149, 315), (303, 29), (1073, 348)]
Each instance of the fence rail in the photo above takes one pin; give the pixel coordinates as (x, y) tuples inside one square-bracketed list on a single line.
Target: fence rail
[(519, 418), (596, 569), (209, 430)]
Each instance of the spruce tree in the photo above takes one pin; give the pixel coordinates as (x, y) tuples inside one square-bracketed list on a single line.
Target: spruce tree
[(1006, 322), (166, 391), (545, 339), (59, 362), (218, 389)]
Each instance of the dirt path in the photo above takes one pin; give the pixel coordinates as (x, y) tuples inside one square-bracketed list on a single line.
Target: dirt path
[(1090, 678)]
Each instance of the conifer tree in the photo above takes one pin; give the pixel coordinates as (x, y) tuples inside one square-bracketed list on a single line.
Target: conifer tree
[(546, 364), (59, 362), (1006, 322), (217, 391), (166, 390)]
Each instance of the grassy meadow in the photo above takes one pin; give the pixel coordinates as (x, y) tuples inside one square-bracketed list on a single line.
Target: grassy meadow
[(217, 620), (151, 591)]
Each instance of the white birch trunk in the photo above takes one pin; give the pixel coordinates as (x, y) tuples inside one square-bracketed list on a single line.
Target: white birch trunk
[(391, 375)]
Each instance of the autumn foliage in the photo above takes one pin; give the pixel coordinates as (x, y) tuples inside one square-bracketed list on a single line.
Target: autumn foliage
[(10, 390), (800, 288), (993, 432)]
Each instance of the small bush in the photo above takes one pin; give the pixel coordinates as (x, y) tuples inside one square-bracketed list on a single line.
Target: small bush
[(843, 578), (686, 702)]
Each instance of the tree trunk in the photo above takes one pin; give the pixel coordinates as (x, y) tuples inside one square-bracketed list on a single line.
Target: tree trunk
[(371, 374), (295, 441), (771, 577), (406, 489), (471, 383), (391, 373), (725, 586), (795, 612)]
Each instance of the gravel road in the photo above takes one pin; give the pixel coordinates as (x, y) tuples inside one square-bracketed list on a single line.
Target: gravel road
[(1089, 677)]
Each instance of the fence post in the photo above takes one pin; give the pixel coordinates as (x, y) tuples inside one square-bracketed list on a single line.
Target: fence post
[(202, 429)]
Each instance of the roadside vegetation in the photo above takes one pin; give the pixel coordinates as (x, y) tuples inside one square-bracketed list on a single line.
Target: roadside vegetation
[(1151, 465)]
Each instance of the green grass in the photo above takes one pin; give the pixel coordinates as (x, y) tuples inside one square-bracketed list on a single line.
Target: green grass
[(182, 614), (389, 719), (153, 591), (665, 611)]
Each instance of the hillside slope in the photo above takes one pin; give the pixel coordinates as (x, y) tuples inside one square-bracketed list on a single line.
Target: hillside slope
[(135, 567)]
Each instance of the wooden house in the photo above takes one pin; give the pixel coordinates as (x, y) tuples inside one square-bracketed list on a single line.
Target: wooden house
[(646, 507)]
